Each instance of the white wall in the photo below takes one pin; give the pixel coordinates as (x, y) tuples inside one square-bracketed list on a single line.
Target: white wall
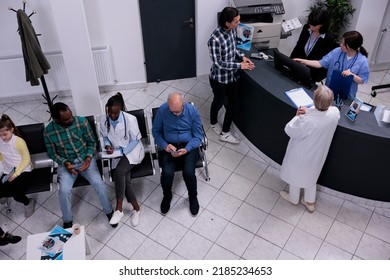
[(117, 23), (368, 20), (206, 22)]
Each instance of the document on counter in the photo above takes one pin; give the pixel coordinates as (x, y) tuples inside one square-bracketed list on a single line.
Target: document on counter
[(300, 97)]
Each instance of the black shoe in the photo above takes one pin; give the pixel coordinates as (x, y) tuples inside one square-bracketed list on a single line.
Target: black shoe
[(9, 238), (194, 206), (68, 224), (165, 204), (109, 216)]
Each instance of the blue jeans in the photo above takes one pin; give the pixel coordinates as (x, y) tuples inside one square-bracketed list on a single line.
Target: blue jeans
[(66, 181), (168, 166)]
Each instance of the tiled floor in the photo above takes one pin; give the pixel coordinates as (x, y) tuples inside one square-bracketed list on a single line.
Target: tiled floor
[(241, 216)]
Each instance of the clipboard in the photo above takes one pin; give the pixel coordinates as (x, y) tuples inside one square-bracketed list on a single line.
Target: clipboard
[(340, 85), (300, 97)]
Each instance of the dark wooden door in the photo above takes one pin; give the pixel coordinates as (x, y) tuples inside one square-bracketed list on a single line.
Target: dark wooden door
[(168, 30)]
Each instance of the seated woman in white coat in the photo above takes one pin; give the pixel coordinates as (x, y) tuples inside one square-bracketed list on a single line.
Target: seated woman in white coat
[(120, 132), (311, 132)]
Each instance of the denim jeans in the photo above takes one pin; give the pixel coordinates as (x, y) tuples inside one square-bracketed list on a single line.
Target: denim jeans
[(221, 92), (66, 181), (168, 166)]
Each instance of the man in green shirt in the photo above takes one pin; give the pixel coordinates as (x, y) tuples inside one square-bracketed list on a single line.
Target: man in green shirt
[(71, 144)]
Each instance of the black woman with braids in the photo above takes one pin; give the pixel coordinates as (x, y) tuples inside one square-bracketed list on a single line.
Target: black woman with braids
[(120, 132)]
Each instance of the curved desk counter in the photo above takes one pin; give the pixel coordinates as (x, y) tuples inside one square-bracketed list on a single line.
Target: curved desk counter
[(358, 162)]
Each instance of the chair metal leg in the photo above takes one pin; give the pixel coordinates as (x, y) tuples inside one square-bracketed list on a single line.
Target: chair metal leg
[(205, 164), (6, 202)]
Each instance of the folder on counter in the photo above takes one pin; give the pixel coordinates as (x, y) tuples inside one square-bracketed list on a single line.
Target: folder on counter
[(300, 97)]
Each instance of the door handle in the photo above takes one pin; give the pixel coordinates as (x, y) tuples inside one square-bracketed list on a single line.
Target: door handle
[(190, 22)]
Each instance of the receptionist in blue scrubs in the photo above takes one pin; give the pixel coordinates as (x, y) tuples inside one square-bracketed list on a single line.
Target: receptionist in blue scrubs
[(349, 59)]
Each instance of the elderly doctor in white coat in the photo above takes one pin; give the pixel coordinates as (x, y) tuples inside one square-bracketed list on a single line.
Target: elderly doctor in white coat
[(311, 132), (120, 132)]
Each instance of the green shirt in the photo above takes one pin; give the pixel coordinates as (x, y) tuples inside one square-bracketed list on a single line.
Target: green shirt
[(67, 143)]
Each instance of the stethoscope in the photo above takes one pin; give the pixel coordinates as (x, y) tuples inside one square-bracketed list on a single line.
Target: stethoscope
[(337, 63)]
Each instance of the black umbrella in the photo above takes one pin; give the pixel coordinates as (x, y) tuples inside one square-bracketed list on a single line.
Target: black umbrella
[(35, 62)]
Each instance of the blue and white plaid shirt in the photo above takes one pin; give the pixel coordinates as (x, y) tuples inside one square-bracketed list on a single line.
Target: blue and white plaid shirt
[(223, 54)]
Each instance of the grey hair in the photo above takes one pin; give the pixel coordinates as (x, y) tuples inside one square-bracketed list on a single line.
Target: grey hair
[(323, 98), (176, 93)]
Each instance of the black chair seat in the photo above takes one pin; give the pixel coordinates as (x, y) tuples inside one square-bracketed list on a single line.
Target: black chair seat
[(40, 180), (145, 168)]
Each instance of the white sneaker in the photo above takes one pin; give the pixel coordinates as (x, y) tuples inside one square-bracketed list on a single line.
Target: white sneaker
[(135, 218), (217, 128), (228, 137), (116, 217)]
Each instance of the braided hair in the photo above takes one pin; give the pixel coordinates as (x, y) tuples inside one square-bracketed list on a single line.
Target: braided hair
[(6, 122), (116, 100)]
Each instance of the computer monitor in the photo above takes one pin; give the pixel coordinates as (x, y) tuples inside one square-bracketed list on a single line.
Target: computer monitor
[(292, 69)]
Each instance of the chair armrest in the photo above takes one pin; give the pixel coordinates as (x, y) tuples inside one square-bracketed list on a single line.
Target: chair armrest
[(41, 160)]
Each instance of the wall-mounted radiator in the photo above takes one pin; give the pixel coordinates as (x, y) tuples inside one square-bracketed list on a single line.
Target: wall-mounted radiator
[(13, 77)]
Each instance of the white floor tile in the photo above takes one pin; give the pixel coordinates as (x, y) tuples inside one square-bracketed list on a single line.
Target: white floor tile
[(262, 198), (271, 179), (168, 233), (260, 249), (315, 223), (287, 211), (209, 225), (379, 226), (218, 175), (275, 231), (284, 255), (238, 186), (372, 248), (330, 252), (150, 250), (224, 205), (303, 244), (354, 215), (249, 218), (126, 241), (235, 239), (106, 253), (218, 253), (251, 169), (193, 246), (228, 158), (344, 237)]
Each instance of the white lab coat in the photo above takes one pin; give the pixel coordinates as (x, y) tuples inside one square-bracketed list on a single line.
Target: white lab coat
[(310, 137), (117, 137)]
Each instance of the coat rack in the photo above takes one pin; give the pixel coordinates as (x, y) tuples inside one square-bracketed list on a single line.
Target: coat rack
[(35, 62)]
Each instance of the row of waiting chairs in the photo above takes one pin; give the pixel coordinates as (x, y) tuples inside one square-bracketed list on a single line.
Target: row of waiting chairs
[(45, 168)]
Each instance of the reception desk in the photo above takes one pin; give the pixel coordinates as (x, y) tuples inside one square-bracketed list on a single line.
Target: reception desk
[(358, 162)]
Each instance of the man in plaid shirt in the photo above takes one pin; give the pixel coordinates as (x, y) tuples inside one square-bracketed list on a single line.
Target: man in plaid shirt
[(224, 71), (71, 144)]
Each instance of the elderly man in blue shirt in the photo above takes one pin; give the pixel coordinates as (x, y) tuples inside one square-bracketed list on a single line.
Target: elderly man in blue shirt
[(177, 130)]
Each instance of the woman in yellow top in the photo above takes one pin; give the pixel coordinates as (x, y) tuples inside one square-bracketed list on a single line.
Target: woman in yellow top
[(16, 164)]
